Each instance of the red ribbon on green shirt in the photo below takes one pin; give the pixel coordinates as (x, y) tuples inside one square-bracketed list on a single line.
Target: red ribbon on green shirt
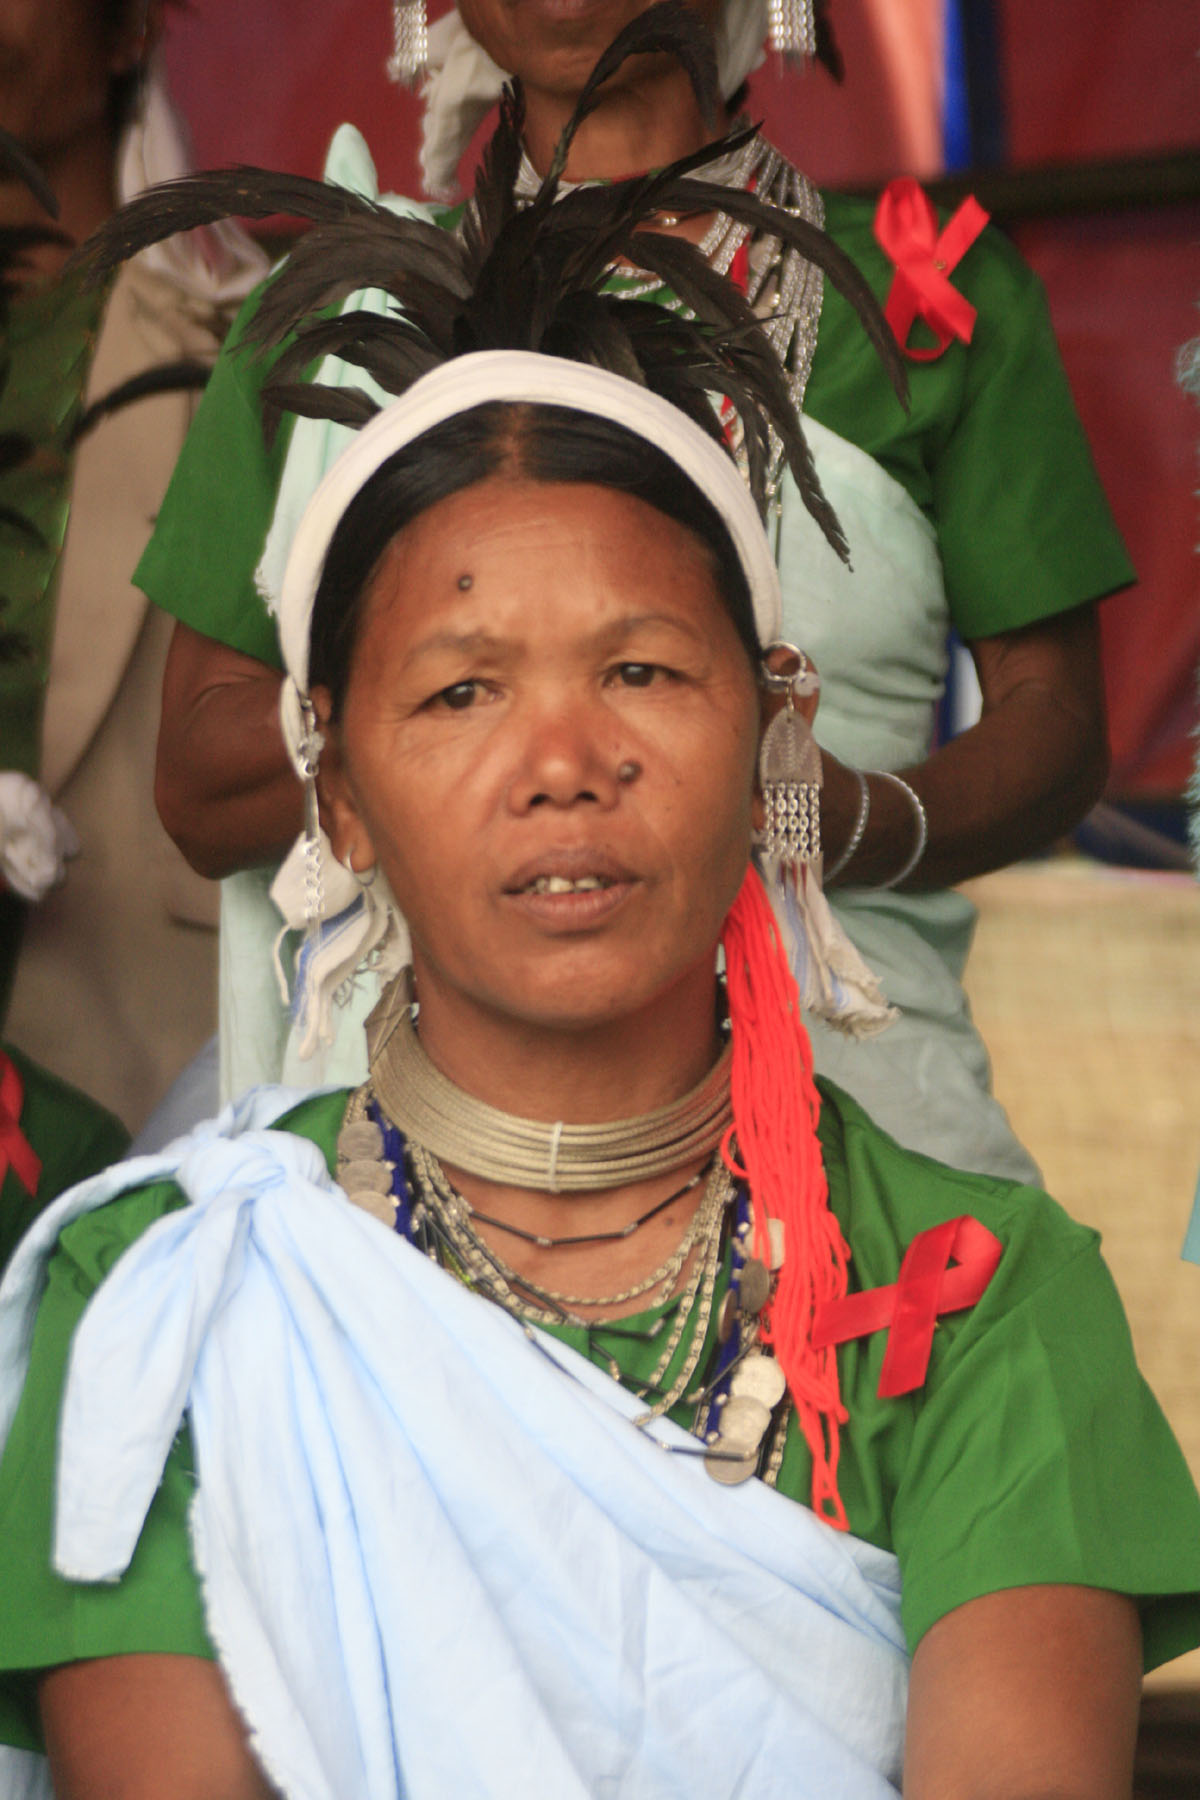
[(16, 1152), (906, 227), (927, 1287)]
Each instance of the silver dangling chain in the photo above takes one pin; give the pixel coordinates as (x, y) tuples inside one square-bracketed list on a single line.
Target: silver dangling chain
[(792, 28), (782, 287), (410, 43)]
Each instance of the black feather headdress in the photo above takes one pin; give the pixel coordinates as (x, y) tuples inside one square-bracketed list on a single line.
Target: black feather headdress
[(524, 278)]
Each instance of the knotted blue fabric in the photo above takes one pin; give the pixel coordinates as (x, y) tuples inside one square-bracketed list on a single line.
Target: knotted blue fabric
[(436, 1556)]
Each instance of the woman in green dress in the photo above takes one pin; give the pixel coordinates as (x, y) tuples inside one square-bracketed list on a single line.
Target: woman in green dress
[(325, 1489)]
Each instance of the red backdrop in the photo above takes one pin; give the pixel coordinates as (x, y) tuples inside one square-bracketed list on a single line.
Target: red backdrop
[(268, 81)]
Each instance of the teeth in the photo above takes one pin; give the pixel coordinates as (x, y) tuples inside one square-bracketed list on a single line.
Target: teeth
[(559, 884)]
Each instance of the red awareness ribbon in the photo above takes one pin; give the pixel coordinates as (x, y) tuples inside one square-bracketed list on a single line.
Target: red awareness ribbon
[(926, 1288), (906, 227), (16, 1152)]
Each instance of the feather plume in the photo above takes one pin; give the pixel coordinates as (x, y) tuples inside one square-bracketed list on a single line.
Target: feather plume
[(534, 278), (185, 376), (192, 200)]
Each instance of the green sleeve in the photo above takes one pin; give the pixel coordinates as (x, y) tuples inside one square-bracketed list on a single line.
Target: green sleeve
[(72, 1136), (1040, 1455), (199, 564), (1033, 1451), (45, 1620), (990, 447), (1023, 524)]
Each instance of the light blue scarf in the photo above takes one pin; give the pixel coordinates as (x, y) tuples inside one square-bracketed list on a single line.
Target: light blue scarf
[(436, 1557)]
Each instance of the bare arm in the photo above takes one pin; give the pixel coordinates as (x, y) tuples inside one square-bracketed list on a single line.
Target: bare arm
[(146, 1728), (225, 788), (1026, 773), (1030, 1694)]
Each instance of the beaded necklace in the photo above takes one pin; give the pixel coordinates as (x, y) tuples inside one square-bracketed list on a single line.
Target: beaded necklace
[(740, 1405)]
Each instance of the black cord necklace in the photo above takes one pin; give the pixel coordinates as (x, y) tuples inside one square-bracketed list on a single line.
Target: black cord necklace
[(587, 1237)]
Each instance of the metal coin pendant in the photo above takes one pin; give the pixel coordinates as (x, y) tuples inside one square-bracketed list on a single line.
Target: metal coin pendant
[(363, 1177), (743, 1424), (759, 1378), (380, 1206), (754, 1286), (731, 1471), (361, 1141), (727, 1317)]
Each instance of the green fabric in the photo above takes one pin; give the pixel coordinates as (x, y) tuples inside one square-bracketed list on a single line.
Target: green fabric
[(73, 1136), (199, 564), (45, 1620), (50, 338), (1033, 1453), (991, 451)]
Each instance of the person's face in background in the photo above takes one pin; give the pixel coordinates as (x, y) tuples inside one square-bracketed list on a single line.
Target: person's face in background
[(553, 44), (58, 62)]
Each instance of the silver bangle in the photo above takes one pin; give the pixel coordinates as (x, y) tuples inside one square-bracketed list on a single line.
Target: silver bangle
[(860, 825), (922, 829)]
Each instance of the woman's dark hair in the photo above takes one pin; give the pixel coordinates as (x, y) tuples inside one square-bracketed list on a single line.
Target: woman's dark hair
[(539, 443)]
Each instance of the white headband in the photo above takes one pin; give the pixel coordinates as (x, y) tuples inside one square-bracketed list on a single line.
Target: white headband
[(519, 376)]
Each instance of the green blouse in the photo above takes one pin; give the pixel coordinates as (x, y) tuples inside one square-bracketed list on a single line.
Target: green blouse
[(72, 1135), (1034, 1452)]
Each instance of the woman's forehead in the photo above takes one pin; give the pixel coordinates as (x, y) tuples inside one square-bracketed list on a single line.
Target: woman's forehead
[(516, 555)]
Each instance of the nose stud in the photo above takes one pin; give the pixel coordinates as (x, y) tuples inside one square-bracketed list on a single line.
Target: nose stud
[(629, 771)]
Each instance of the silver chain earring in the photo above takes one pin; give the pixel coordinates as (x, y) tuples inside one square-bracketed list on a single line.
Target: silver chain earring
[(789, 768), (314, 874), (793, 32), (410, 42)]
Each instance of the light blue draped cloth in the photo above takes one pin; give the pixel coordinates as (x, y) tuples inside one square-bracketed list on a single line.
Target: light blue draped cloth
[(436, 1557)]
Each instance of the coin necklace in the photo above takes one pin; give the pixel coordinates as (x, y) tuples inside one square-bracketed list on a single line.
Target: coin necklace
[(745, 1393)]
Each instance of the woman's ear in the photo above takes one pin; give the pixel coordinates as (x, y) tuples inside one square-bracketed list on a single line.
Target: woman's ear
[(343, 823)]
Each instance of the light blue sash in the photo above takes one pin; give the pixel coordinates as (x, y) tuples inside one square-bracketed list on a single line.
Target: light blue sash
[(437, 1559)]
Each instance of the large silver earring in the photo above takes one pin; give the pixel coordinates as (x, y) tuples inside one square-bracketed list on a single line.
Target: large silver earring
[(314, 874), (789, 769), (793, 32), (410, 42)]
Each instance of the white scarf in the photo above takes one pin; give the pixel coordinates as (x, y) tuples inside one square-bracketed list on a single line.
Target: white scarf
[(436, 1556)]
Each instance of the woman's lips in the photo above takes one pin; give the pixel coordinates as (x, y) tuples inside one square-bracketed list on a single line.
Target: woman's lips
[(574, 908), (573, 886)]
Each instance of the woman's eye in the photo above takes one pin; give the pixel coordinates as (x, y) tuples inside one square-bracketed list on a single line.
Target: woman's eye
[(459, 695), (636, 674)]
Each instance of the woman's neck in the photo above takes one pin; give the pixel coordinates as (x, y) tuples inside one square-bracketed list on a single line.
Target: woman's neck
[(616, 1070), (643, 124)]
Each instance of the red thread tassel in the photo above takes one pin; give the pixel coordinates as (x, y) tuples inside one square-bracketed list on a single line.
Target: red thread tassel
[(775, 1113)]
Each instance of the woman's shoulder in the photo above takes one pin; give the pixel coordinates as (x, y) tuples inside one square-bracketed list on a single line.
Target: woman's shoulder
[(992, 273), (93, 1241)]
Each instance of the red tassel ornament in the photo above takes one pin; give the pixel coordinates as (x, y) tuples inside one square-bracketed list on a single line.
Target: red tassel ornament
[(772, 1145)]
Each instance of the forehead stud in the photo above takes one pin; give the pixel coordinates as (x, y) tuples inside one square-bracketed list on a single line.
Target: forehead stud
[(465, 582)]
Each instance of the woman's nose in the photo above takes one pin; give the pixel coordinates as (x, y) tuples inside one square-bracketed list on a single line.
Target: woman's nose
[(569, 755)]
